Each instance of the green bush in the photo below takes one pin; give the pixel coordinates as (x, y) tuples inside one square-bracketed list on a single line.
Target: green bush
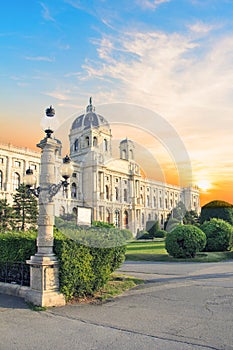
[(84, 266), (17, 246), (185, 241), (127, 234), (142, 235), (102, 224), (160, 234), (218, 235), (217, 209)]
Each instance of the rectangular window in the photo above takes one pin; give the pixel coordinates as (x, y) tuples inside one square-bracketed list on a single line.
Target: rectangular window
[(17, 164), (33, 166), (1, 160), (74, 175)]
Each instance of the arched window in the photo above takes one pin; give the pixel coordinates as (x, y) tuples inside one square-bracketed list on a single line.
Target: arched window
[(106, 192), (149, 217), (105, 145), (73, 190), (116, 193), (117, 218), (15, 181), (148, 200), (125, 195), (75, 211), (94, 141), (76, 145), (124, 154), (87, 141), (125, 219), (107, 216), (0, 180)]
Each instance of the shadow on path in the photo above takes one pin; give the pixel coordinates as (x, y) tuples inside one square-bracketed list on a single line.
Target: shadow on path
[(12, 302), (226, 276)]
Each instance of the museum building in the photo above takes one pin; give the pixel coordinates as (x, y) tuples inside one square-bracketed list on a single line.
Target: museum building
[(115, 190)]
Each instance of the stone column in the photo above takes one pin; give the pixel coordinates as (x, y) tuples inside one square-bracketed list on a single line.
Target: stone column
[(44, 282)]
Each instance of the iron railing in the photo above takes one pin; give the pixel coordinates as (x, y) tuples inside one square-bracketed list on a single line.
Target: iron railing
[(15, 273)]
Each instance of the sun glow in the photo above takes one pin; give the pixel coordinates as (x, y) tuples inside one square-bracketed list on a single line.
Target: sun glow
[(204, 185)]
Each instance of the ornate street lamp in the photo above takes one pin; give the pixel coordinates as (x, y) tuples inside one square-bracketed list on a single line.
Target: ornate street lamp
[(44, 282), (66, 170)]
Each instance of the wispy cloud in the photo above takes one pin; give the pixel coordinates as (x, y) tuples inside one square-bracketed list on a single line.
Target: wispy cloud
[(39, 58), (201, 28), (151, 4), (62, 96), (187, 79), (46, 13)]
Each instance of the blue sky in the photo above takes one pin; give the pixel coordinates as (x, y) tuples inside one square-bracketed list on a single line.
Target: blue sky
[(174, 57)]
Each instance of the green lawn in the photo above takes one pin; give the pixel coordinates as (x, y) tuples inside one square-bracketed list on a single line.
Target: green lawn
[(155, 251)]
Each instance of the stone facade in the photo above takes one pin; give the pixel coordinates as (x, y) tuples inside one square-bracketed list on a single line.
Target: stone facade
[(115, 189)]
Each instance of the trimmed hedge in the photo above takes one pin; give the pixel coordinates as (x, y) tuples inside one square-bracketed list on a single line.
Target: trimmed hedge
[(185, 241), (143, 235), (160, 234), (84, 267), (152, 227), (17, 246), (218, 235), (217, 209), (146, 235)]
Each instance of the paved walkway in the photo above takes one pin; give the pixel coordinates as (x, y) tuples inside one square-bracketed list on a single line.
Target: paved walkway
[(182, 306)]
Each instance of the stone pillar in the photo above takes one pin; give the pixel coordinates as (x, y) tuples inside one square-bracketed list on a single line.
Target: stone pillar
[(44, 282)]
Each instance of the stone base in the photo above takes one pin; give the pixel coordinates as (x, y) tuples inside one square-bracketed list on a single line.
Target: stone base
[(44, 282), (46, 299)]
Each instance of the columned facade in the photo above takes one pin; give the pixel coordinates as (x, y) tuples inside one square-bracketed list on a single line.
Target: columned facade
[(114, 189)]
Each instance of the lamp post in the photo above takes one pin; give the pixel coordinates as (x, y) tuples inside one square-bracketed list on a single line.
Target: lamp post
[(44, 282)]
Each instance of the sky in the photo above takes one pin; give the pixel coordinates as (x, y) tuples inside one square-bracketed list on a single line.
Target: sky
[(170, 60)]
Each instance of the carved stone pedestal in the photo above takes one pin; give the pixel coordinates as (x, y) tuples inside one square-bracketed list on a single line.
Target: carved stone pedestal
[(44, 283)]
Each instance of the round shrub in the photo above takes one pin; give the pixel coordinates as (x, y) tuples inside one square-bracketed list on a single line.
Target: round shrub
[(185, 241), (218, 235)]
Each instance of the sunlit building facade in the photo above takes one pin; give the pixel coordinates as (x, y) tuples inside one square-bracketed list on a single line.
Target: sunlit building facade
[(114, 189)]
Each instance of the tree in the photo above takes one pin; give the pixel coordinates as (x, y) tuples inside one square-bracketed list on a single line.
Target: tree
[(25, 208), (179, 211), (191, 218), (217, 209), (6, 216)]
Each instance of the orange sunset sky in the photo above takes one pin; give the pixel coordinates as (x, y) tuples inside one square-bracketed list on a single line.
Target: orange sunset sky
[(160, 71)]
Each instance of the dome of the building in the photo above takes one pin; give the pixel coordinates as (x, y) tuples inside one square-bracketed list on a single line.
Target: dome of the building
[(90, 119)]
